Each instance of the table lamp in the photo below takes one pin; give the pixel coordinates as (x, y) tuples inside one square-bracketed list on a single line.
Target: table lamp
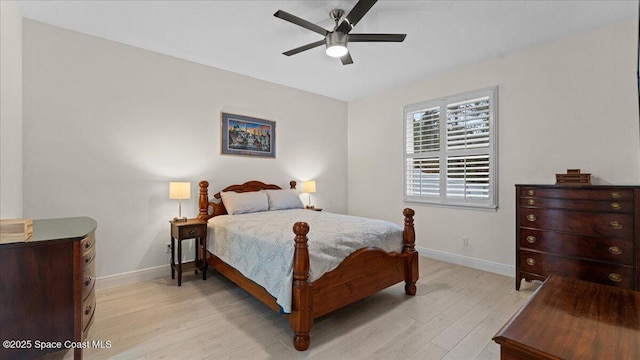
[(179, 191), (309, 187)]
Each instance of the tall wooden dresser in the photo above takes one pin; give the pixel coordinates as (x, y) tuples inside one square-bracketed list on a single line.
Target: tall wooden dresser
[(586, 232), (47, 291)]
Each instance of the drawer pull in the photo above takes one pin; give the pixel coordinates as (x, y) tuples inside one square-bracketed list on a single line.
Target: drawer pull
[(87, 281), (87, 259), (87, 245), (531, 192), (87, 310), (531, 202), (531, 239), (531, 217), (531, 261), (615, 277), (615, 225), (192, 232), (615, 250), (615, 195), (615, 206)]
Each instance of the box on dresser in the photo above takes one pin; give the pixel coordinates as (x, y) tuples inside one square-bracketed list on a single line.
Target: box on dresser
[(584, 232), (573, 177), (47, 291), (15, 230)]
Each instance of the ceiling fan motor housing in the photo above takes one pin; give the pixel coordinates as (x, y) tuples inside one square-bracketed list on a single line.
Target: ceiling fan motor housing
[(336, 44)]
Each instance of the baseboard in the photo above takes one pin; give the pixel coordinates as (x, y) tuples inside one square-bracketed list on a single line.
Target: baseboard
[(502, 269), (132, 277)]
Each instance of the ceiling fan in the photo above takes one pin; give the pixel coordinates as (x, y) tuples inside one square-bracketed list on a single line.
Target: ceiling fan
[(336, 40)]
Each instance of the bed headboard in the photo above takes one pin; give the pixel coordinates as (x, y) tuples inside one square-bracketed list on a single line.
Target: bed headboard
[(204, 204)]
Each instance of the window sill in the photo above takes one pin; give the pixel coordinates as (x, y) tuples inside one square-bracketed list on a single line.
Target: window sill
[(477, 207)]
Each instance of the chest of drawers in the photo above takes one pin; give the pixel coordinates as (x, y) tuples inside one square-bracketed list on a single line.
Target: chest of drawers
[(47, 287), (584, 232)]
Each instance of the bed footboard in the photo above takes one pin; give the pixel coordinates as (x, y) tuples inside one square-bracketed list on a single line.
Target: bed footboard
[(361, 274)]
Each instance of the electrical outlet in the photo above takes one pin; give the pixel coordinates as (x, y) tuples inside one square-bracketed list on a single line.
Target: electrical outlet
[(167, 249), (465, 241)]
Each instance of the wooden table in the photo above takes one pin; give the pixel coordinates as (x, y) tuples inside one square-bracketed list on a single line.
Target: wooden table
[(574, 319)]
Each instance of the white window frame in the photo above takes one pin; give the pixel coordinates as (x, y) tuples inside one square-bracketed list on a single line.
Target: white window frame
[(442, 153)]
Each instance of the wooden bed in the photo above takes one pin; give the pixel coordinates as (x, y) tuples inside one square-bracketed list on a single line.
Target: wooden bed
[(364, 272)]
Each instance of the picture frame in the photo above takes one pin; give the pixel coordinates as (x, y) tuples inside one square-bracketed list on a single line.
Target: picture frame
[(247, 136)]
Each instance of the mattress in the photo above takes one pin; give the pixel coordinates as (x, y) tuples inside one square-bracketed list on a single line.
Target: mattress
[(261, 245)]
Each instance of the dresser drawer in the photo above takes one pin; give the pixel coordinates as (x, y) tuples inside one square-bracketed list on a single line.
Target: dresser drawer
[(618, 226), (613, 206), (586, 193), (88, 279), (88, 257), (88, 308), (88, 244), (597, 248), (603, 273)]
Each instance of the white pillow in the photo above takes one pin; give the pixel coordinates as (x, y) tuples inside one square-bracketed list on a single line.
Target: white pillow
[(283, 199), (246, 202)]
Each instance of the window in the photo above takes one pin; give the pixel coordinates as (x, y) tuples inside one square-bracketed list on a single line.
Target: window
[(451, 150)]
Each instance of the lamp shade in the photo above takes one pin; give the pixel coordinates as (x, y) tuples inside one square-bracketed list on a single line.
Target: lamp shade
[(309, 186), (179, 190)]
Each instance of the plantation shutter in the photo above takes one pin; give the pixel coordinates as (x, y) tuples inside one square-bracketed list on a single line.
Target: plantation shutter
[(468, 141), (450, 150), (422, 164)]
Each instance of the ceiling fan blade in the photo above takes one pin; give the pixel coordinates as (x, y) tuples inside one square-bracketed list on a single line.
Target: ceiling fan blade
[(300, 22), (304, 48), (346, 60), (358, 11), (376, 37)]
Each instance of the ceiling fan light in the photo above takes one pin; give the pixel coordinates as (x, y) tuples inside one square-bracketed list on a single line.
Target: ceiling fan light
[(337, 50), (336, 44)]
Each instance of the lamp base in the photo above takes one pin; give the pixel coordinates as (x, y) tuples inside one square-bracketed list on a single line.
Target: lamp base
[(180, 219)]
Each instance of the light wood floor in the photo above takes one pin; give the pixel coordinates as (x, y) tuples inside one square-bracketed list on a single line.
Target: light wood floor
[(454, 315)]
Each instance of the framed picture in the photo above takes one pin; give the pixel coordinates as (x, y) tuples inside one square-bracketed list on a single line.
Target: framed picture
[(244, 135)]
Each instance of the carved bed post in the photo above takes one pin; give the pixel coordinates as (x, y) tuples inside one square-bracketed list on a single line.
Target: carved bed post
[(301, 317), (203, 200), (292, 184), (409, 240)]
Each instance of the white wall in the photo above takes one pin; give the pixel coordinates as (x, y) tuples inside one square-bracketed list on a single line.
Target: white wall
[(567, 104), (107, 126), (10, 110)]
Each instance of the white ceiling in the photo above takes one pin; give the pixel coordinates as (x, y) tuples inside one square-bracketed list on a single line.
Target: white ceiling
[(245, 37)]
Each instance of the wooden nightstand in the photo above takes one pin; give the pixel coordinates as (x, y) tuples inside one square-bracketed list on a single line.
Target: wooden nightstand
[(313, 209), (190, 229)]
